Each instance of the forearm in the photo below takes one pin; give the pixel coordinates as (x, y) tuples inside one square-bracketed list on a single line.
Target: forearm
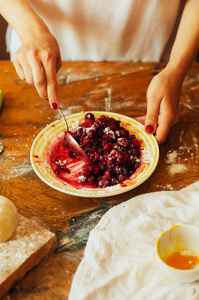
[(163, 93), (186, 45), (22, 18)]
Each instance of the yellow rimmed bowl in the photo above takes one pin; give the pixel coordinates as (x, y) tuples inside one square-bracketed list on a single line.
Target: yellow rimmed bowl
[(149, 156)]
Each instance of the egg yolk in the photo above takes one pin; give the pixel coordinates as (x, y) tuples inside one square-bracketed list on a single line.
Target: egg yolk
[(181, 260)]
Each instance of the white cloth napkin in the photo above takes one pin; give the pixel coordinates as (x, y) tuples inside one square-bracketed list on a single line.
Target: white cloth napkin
[(119, 261)]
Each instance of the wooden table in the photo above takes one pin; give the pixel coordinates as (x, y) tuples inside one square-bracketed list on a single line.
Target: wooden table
[(84, 86)]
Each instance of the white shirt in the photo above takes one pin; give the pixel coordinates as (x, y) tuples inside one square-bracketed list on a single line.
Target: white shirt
[(118, 30)]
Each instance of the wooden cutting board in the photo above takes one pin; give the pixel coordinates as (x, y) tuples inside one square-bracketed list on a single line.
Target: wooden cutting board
[(28, 246)]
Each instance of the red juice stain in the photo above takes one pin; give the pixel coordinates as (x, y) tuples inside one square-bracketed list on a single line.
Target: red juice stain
[(57, 154)]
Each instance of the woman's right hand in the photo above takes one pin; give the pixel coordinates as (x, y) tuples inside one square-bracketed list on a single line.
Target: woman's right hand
[(37, 61)]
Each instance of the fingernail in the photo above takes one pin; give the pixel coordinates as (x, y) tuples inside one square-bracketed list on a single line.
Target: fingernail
[(149, 129), (54, 105)]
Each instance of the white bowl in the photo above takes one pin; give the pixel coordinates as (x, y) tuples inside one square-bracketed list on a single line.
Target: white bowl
[(176, 238)]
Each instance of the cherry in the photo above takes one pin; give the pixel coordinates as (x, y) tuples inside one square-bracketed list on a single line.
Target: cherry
[(136, 143), (88, 123), (90, 116), (122, 142), (103, 182), (113, 152)]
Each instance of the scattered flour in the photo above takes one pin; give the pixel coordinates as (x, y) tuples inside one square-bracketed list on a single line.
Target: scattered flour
[(172, 156), (164, 187), (177, 168), (174, 166), (169, 186)]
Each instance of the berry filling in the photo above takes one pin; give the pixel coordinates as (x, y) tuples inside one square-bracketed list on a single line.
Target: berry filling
[(113, 152)]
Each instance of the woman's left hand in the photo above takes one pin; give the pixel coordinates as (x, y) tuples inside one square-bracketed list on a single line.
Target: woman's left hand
[(163, 96)]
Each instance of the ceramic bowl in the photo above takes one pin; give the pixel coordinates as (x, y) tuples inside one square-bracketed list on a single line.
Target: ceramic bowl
[(183, 238), (149, 156)]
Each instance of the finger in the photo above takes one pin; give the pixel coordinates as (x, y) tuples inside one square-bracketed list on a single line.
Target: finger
[(28, 74), (162, 129), (141, 119), (40, 79), (151, 120), (51, 80), (59, 63), (19, 70), (24, 69)]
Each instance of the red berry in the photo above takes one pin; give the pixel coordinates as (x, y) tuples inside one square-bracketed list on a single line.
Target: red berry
[(112, 150), (108, 175), (136, 142), (123, 142), (88, 123), (90, 116)]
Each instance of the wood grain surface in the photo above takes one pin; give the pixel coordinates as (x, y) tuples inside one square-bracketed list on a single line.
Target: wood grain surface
[(84, 86)]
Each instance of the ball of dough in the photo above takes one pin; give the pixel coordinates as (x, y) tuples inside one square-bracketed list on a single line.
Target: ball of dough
[(8, 219)]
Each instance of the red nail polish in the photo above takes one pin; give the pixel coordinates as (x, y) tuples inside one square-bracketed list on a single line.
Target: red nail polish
[(54, 105), (149, 129)]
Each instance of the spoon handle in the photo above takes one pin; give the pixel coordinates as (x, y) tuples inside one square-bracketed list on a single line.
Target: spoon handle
[(73, 144), (63, 118)]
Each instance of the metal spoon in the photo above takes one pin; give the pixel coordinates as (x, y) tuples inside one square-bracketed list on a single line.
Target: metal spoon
[(1, 147), (73, 144)]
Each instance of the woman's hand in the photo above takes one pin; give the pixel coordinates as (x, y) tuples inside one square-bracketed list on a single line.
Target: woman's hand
[(162, 104), (164, 90), (37, 61)]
